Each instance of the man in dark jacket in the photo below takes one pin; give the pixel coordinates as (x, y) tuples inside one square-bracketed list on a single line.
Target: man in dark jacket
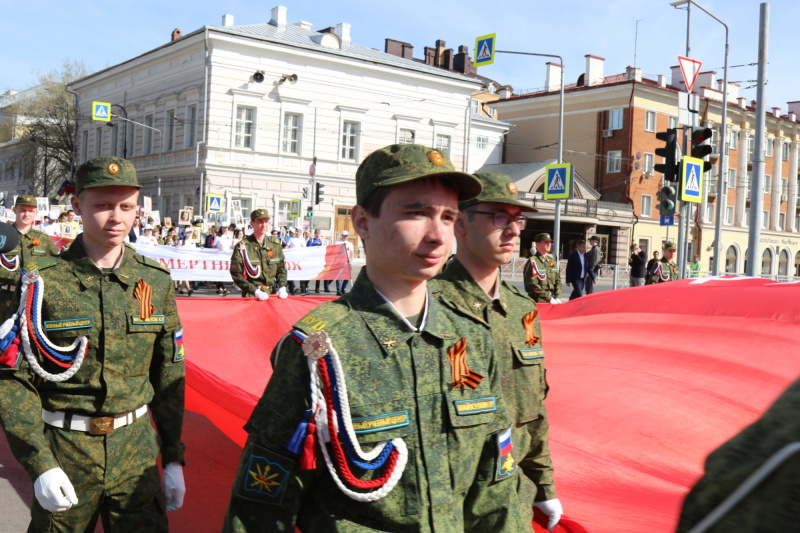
[(579, 273), (637, 262)]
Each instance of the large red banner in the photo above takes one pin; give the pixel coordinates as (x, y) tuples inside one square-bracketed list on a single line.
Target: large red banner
[(645, 382)]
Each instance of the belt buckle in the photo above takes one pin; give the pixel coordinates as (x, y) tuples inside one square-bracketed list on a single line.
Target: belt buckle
[(101, 425)]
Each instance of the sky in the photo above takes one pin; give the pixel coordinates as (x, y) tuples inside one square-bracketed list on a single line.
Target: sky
[(38, 36)]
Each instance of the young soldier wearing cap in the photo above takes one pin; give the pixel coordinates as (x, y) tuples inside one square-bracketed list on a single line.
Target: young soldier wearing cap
[(487, 231), (541, 275), (33, 244), (257, 263), (102, 344), (666, 269), (421, 440)]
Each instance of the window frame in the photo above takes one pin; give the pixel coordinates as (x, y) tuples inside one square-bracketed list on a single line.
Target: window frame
[(650, 121), (244, 128), (647, 200), (614, 156), (295, 144)]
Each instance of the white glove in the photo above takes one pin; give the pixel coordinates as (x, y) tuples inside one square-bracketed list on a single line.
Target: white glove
[(552, 508), (282, 293), (54, 491), (558, 300), (174, 486), (554, 301), (261, 295)]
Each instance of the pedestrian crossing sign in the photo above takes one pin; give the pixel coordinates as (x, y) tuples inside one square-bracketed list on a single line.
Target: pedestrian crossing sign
[(214, 203), (101, 111), (484, 50), (558, 181), (692, 180)]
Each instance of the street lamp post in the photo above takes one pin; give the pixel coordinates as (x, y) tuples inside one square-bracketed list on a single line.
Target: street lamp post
[(557, 217), (723, 138), (124, 132)]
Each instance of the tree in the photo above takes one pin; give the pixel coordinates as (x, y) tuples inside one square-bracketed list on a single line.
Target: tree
[(47, 120)]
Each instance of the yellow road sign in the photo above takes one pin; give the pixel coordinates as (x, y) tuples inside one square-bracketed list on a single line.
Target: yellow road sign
[(484, 50), (101, 111)]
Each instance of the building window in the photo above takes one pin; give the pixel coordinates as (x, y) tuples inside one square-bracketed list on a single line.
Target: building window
[(406, 136), (85, 145), (785, 151), (474, 106), (784, 188), (673, 122), (746, 216), (751, 146), (350, 135), (783, 263), (647, 206), (748, 185), (767, 184), (768, 148), (292, 122), (148, 135), (284, 210), (731, 258), (482, 142), (443, 144), (733, 140), (650, 121), (98, 142), (649, 163), (766, 262), (169, 138), (167, 207), (245, 117), (765, 219), (731, 178), (190, 129), (729, 215), (115, 139), (130, 137), (615, 122), (614, 161), (781, 221)]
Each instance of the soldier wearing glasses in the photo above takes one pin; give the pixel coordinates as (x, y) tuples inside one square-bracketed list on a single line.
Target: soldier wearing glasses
[(487, 231)]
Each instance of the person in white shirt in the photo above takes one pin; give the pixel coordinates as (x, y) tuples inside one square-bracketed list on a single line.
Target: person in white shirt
[(148, 237), (224, 243), (341, 284), (297, 241)]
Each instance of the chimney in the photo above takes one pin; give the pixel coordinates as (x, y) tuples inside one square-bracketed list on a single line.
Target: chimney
[(304, 25), (633, 74), (506, 91), (462, 62), (677, 77), (343, 31), (399, 49), (278, 17), (776, 112), (552, 81), (742, 101), (793, 117), (662, 80), (227, 20), (794, 107), (176, 34), (594, 70)]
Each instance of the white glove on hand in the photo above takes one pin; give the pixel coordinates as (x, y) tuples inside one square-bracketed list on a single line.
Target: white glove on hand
[(554, 301), (552, 508), (261, 295), (558, 300), (282, 293), (54, 491), (174, 486)]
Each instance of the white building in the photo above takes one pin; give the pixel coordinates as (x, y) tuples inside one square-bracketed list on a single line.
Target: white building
[(243, 111)]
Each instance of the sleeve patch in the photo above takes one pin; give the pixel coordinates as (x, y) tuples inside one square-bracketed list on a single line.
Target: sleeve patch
[(180, 353), (265, 477)]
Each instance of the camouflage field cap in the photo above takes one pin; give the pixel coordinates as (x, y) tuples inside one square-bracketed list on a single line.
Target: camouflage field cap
[(499, 189), (399, 163), (104, 172), (25, 199), (259, 213), (543, 237), (669, 245)]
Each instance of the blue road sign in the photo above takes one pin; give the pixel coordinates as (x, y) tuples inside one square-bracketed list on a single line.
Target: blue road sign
[(484, 50), (667, 220), (692, 179), (558, 181)]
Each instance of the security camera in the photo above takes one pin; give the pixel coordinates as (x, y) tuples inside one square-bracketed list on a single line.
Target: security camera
[(258, 77)]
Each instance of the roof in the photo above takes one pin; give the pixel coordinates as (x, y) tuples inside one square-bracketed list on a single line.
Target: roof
[(527, 175)]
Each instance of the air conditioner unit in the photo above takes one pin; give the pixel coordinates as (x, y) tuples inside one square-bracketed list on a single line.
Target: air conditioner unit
[(608, 133)]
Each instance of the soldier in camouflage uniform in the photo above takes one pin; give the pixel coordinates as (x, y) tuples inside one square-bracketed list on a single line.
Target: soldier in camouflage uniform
[(666, 269), (772, 503), (33, 244), (257, 263), (103, 343), (421, 385), (541, 275), (487, 231)]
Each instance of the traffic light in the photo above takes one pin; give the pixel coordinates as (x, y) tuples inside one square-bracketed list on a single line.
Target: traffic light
[(669, 168), (668, 196), (305, 192), (318, 196), (699, 149), (309, 212)]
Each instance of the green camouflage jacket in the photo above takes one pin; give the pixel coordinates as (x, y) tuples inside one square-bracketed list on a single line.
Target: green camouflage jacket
[(130, 361), (772, 504), (399, 386), (664, 271), (542, 278), (32, 245), (514, 324), (272, 270)]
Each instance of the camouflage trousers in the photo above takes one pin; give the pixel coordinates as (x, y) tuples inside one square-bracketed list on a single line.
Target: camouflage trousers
[(115, 477)]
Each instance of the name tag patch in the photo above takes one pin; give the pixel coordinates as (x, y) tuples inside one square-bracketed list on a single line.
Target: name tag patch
[(72, 323), (154, 319), (381, 422), (37, 251), (473, 407), (533, 353)]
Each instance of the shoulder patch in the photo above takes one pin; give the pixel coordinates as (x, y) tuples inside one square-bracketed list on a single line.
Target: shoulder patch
[(42, 263), (322, 317)]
